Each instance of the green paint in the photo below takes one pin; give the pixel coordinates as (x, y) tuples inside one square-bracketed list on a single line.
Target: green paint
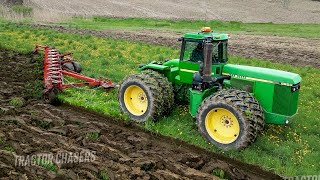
[(196, 98), (155, 66), (273, 75), (203, 35), (272, 88)]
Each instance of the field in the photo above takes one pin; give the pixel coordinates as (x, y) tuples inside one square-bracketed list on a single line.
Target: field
[(276, 11), (276, 42), (86, 145), (287, 151)]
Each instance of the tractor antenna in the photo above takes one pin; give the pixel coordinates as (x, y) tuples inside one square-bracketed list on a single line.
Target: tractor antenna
[(206, 15)]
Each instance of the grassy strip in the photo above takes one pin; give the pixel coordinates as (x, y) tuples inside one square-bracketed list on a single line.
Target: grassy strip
[(22, 9), (288, 151), (101, 23)]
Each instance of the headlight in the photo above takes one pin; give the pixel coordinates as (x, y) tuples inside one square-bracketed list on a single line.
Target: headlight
[(295, 87)]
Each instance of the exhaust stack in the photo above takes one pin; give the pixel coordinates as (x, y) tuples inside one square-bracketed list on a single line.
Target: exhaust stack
[(207, 68)]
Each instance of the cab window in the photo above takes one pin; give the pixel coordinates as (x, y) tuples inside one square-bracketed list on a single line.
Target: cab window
[(193, 51)]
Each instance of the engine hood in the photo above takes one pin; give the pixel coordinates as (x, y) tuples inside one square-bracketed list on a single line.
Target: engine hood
[(261, 74)]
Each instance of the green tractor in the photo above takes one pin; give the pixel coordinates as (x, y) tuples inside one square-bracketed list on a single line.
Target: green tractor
[(231, 103)]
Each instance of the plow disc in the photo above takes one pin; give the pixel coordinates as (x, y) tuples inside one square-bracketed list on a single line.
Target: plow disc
[(57, 66)]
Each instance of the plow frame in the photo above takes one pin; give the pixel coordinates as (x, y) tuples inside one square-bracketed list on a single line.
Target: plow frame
[(54, 73)]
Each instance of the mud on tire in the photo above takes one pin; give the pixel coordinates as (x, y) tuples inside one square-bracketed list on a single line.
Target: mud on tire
[(255, 107), (241, 110), (147, 85), (166, 89)]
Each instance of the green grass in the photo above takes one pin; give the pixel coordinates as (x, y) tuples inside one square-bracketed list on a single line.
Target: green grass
[(16, 102), (103, 175), (102, 23), (286, 150), (9, 148), (48, 165), (93, 136), (21, 9)]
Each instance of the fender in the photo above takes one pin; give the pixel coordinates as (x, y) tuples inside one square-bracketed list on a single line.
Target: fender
[(155, 66)]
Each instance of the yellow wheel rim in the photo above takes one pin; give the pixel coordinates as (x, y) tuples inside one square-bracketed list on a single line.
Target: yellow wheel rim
[(222, 125), (135, 100)]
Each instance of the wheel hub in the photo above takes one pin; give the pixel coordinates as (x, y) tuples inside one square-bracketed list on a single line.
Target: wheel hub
[(222, 125), (135, 100), (226, 121), (142, 97)]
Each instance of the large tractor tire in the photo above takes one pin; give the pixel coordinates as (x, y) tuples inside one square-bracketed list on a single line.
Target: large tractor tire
[(226, 121), (255, 107), (140, 97), (166, 89)]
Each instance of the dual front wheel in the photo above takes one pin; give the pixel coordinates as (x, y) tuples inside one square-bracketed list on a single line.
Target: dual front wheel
[(144, 96)]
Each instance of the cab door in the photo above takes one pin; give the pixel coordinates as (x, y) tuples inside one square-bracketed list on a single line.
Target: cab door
[(187, 65)]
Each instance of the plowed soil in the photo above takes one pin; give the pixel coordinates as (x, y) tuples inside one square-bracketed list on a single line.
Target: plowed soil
[(294, 51), (276, 11), (124, 151)]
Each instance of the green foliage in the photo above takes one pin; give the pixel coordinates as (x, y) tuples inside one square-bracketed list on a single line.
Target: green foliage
[(48, 165), (9, 148), (101, 23), (21, 9), (42, 124), (93, 136), (16, 102), (34, 89), (287, 150), (103, 175), (220, 173)]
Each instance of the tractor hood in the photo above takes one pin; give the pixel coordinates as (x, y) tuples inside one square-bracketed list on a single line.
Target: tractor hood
[(262, 74)]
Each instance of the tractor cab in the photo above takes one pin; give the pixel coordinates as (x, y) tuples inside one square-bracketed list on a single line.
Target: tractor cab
[(192, 48), (192, 53)]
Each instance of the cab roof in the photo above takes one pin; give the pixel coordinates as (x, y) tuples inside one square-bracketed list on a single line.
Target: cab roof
[(206, 33)]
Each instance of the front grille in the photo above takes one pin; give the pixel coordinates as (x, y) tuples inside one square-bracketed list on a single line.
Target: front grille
[(285, 101)]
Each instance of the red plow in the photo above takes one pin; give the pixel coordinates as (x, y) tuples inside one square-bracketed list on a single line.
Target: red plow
[(57, 66)]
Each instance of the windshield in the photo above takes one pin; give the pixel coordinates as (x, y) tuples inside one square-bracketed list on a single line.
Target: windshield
[(193, 51)]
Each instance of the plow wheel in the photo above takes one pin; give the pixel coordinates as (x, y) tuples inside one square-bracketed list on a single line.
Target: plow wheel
[(77, 67), (165, 88), (68, 66), (225, 120), (73, 66), (140, 97), (50, 97)]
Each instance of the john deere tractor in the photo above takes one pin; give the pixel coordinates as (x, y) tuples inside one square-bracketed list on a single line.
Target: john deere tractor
[(231, 103)]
